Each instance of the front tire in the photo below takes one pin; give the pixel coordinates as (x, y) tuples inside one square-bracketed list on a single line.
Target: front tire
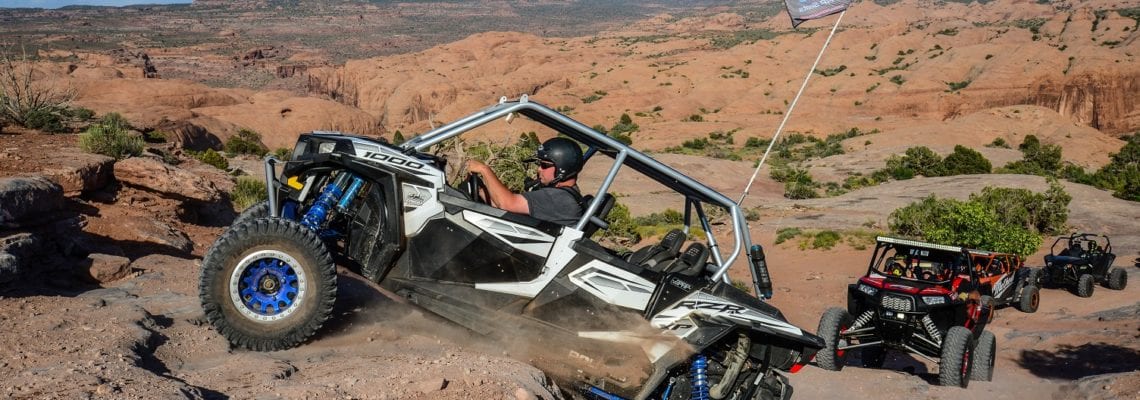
[(1030, 299), (1085, 285), (1117, 279), (289, 210), (267, 284), (834, 321), (984, 354), (956, 363)]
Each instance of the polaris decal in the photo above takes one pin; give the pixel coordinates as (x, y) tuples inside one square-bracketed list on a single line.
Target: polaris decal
[(614, 285), (681, 284), (707, 306)]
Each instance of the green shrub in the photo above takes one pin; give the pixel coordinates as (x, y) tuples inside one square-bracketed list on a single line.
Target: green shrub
[(44, 119), (998, 142), (956, 86), (920, 160), (997, 219), (831, 71), (283, 153), (1037, 159), (696, 144), (245, 142), (79, 113), (667, 217), (507, 160), (741, 284), (247, 192), (755, 142), (621, 226), (1122, 174), (398, 137), (212, 157), (800, 190), (825, 240), (155, 136), (965, 161), (785, 234), (109, 137), (1038, 212)]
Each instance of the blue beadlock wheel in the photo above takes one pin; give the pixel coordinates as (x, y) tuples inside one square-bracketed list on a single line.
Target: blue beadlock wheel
[(267, 285)]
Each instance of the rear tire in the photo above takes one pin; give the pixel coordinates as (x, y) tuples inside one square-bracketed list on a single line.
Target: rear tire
[(984, 354), (1117, 279), (1030, 299), (956, 363), (1085, 285), (267, 284), (834, 321), (1033, 276)]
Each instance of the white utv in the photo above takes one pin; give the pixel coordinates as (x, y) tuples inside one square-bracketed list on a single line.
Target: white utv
[(386, 212)]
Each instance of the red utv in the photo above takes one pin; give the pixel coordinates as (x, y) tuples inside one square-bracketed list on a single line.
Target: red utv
[(920, 298), (1005, 279)]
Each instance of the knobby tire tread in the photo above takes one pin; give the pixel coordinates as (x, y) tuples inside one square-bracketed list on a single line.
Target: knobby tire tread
[(267, 232), (830, 324)]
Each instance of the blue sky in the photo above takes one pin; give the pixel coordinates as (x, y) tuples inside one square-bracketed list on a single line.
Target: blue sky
[(61, 3)]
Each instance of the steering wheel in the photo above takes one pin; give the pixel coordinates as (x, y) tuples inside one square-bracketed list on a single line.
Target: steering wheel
[(476, 190)]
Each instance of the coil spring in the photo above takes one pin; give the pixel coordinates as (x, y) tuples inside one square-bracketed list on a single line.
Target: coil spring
[(863, 319), (331, 196), (319, 212), (699, 378), (932, 329)]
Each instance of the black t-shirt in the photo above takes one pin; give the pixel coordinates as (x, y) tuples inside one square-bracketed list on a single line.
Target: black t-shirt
[(559, 205)]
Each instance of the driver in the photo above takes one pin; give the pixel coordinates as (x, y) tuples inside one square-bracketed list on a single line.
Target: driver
[(554, 196)]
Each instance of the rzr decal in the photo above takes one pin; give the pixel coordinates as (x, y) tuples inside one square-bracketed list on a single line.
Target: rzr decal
[(710, 307), (704, 305)]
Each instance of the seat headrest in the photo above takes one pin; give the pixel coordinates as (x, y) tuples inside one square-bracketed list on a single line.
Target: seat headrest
[(673, 241), (667, 248), (691, 262), (695, 254)]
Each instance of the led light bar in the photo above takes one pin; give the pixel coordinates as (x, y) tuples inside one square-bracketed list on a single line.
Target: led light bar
[(916, 243)]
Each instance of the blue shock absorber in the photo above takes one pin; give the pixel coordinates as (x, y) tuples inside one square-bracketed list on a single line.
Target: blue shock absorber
[(699, 378), (319, 212), (353, 189)]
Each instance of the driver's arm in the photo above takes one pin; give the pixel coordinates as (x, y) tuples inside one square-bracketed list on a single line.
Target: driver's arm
[(501, 196)]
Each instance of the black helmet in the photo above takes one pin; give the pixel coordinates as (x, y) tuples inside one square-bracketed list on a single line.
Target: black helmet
[(565, 154)]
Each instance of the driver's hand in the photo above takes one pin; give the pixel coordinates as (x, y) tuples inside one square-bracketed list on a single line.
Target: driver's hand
[(477, 167)]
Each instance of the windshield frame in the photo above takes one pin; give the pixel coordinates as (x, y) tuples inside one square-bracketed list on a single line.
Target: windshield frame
[(921, 257)]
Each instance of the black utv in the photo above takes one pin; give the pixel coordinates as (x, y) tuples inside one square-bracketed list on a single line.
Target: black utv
[(388, 213), (919, 298), (1079, 260)]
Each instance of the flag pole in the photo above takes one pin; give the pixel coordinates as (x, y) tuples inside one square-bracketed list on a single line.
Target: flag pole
[(790, 108)]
